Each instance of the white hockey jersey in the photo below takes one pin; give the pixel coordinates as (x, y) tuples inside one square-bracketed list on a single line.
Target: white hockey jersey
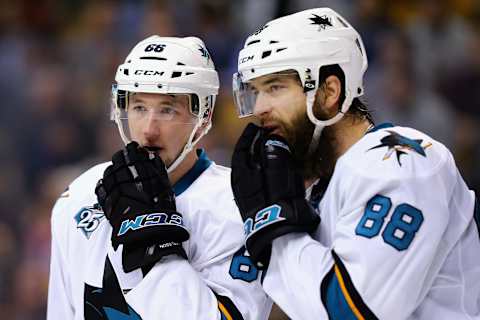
[(398, 238), (218, 281)]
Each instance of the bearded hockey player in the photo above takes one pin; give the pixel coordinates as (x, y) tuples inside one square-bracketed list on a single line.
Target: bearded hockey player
[(390, 231)]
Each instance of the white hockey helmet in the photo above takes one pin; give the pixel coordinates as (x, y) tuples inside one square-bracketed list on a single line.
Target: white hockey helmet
[(304, 41), (168, 65)]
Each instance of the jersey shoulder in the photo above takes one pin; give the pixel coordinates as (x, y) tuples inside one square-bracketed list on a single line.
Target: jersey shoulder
[(211, 215), (79, 194), (398, 153), (212, 190)]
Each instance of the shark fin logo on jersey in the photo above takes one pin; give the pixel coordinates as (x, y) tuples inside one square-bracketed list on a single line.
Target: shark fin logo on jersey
[(401, 145), (88, 219), (107, 303), (323, 22)]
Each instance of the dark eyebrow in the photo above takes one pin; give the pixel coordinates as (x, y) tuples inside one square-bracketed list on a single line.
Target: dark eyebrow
[(135, 98), (267, 81), (271, 80)]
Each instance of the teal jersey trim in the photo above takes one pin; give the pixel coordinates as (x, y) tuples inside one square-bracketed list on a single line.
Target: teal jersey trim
[(380, 126), (202, 164)]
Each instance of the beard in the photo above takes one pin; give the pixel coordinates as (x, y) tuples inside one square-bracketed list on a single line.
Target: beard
[(318, 163)]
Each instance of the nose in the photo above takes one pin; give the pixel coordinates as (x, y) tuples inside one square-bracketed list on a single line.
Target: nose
[(262, 105), (151, 128)]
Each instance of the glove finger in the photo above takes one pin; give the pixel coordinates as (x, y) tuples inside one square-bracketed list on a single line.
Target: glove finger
[(246, 178), (280, 170), (247, 137), (156, 183), (275, 152), (118, 159), (155, 175), (242, 157), (109, 179), (134, 153)]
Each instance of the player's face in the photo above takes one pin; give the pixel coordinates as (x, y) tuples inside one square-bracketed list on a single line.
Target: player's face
[(162, 122), (280, 104)]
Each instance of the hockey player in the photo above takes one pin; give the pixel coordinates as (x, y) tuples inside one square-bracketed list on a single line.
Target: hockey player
[(155, 234), (392, 233)]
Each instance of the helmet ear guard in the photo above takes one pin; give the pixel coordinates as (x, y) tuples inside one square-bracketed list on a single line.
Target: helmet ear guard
[(168, 65)]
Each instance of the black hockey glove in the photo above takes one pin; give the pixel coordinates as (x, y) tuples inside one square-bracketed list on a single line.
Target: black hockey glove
[(138, 201), (269, 192)]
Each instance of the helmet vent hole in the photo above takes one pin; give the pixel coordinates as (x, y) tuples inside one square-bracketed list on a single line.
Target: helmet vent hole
[(252, 42), (153, 58), (266, 53), (359, 46), (125, 72), (189, 73), (273, 41), (280, 49), (342, 22), (176, 74), (180, 64)]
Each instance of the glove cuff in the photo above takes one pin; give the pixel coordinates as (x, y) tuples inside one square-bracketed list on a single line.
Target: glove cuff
[(275, 221), (140, 257)]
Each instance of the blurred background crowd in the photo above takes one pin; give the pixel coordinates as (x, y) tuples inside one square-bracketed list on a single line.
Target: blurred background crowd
[(58, 60)]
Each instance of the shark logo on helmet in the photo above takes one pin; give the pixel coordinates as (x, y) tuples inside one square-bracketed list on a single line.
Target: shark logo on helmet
[(204, 52), (259, 30), (322, 21)]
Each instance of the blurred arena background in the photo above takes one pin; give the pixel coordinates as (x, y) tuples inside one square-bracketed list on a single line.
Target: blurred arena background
[(57, 63)]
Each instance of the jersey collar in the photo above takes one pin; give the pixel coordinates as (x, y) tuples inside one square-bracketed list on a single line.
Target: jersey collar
[(380, 126), (202, 163)]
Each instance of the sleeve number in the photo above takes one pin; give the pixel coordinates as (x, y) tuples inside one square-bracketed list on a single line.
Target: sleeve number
[(399, 231), (242, 267)]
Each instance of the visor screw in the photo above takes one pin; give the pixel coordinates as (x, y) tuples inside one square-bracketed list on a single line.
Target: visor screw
[(136, 84), (253, 70), (129, 61), (159, 86)]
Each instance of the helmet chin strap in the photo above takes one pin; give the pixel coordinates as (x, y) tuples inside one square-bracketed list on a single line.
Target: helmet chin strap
[(321, 124), (188, 146)]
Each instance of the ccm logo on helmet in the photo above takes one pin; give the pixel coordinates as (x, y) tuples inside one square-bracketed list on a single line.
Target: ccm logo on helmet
[(148, 72), (245, 59)]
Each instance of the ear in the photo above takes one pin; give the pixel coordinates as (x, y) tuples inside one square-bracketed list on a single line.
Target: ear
[(329, 95)]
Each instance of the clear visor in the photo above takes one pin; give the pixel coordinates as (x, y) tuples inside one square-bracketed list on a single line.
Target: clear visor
[(134, 110), (245, 94)]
